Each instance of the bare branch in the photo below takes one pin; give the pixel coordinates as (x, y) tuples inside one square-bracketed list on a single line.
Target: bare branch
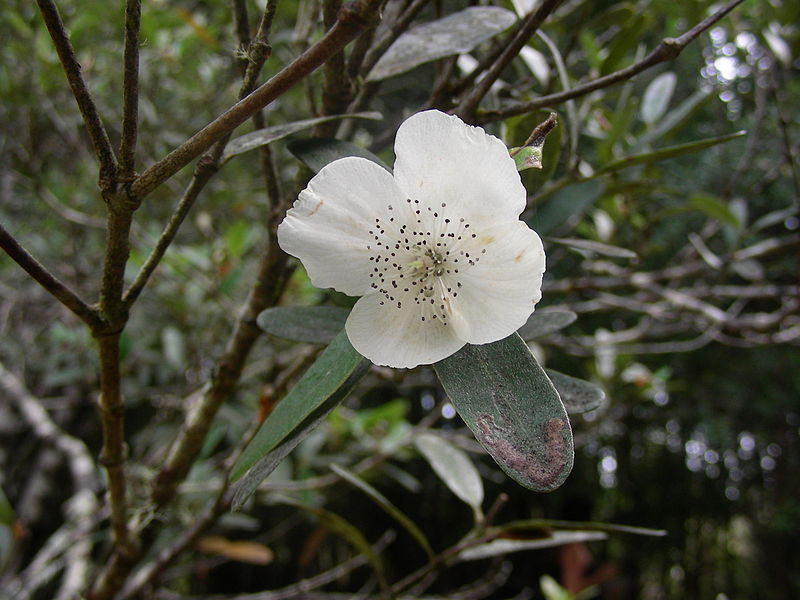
[(91, 117), (113, 454), (209, 164), (48, 281), (83, 505), (353, 19), (469, 104), (667, 50), (130, 89)]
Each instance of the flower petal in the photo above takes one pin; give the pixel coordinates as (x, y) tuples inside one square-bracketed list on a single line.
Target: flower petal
[(498, 293), (398, 337), (328, 228), (442, 159)]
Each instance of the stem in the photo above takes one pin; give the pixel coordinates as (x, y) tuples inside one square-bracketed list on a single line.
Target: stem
[(48, 281), (353, 18), (336, 89), (91, 117), (668, 49), (112, 455), (466, 109), (130, 89)]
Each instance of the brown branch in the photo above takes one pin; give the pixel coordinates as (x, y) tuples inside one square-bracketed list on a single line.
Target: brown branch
[(112, 455), (466, 109), (337, 92), (353, 18), (667, 50), (48, 281), (91, 117), (392, 32), (209, 164), (130, 89)]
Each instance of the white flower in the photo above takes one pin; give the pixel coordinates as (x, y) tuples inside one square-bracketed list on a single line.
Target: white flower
[(436, 251)]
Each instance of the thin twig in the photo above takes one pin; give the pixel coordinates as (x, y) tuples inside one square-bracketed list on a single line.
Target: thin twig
[(91, 117), (130, 89), (209, 164), (469, 104), (668, 49), (83, 504), (391, 32), (48, 281), (353, 19), (337, 92)]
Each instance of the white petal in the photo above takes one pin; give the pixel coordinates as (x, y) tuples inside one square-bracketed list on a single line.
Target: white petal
[(499, 292), (398, 337), (328, 226), (441, 159)]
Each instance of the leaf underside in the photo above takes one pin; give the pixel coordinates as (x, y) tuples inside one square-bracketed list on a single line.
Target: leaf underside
[(511, 406)]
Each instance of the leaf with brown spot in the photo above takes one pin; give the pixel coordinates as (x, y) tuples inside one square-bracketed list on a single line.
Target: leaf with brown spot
[(511, 406)]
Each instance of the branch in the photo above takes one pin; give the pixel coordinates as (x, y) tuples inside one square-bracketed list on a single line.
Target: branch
[(667, 50), (43, 277), (91, 117), (353, 18), (466, 109), (113, 454), (259, 51), (130, 90), (83, 505)]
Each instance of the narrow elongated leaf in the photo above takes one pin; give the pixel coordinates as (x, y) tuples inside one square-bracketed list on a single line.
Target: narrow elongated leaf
[(597, 247), (310, 324), (657, 96), (387, 507), (453, 467), (508, 402), (502, 547), (665, 153), (572, 201), (714, 207), (347, 531), (578, 395), (315, 153), (454, 34), (538, 524), (324, 385), (543, 322), (262, 137), (675, 118)]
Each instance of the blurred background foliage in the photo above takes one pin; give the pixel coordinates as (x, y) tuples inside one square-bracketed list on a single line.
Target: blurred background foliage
[(699, 436)]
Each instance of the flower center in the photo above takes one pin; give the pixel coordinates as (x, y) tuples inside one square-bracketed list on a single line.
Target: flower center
[(419, 257)]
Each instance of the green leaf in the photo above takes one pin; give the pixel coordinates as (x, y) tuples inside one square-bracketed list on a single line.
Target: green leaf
[(657, 96), (326, 383), (571, 201), (454, 34), (596, 247), (310, 324), (453, 467), (262, 137), (578, 395), (347, 531), (315, 153), (665, 153), (624, 42), (713, 207), (387, 507), (538, 524), (502, 547), (676, 117), (543, 322), (527, 157), (511, 406), (7, 514)]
